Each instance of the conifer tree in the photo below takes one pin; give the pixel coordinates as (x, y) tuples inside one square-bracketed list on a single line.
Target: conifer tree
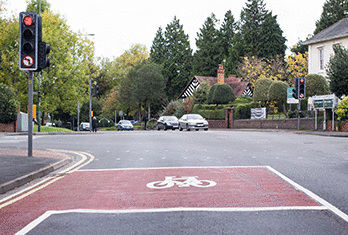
[(209, 52), (177, 64), (227, 31), (251, 19), (158, 48), (333, 11), (272, 41)]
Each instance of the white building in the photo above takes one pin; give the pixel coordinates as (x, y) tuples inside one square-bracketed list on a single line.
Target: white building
[(320, 46)]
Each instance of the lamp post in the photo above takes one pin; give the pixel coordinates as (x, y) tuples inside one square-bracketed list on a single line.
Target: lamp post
[(90, 94)]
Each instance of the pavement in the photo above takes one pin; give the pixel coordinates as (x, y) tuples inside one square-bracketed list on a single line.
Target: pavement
[(17, 169)]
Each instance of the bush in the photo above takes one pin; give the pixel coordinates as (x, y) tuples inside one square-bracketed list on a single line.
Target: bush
[(342, 110), (220, 94), (261, 90), (243, 111), (210, 111), (316, 85), (8, 105)]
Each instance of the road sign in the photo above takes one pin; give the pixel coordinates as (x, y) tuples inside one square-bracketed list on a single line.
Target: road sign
[(290, 98), (325, 101)]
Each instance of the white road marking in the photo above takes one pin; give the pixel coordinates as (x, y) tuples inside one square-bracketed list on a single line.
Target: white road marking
[(47, 214), (311, 195)]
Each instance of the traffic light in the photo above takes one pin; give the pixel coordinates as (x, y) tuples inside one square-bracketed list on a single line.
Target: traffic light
[(95, 89), (295, 90), (301, 88), (28, 40), (44, 50)]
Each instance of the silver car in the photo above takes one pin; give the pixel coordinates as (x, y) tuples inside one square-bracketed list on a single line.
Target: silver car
[(193, 121)]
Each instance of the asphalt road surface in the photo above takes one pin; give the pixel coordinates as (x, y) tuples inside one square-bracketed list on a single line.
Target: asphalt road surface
[(171, 182)]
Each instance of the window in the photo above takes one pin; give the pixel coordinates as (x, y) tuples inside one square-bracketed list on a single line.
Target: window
[(321, 58)]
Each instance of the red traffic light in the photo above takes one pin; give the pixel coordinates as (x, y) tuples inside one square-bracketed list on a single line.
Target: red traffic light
[(28, 20), (302, 80)]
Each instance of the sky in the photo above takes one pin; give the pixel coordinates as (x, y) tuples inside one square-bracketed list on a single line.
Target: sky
[(119, 24)]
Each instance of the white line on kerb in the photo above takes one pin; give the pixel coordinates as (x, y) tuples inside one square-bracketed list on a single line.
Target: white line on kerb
[(312, 195), (47, 214)]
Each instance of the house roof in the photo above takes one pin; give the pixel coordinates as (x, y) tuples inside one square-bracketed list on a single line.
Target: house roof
[(335, 31), (235, 83)]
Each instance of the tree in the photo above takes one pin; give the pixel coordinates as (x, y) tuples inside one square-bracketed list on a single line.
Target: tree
[(200, 96), (148, 84), (316, 85), (220, 94), (297, 66), (272, 41), (227, 32), (333, 11), (157, 51), (210, 49), (178, 59), (251, 19), (261, 90), (33, 6), (278, 92), (299, 48), (8, 105), (337, 71)]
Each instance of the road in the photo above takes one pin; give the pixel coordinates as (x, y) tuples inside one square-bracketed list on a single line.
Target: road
[(215, 182)]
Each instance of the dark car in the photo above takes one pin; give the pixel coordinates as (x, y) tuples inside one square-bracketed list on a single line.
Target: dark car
[(167, 122), (125, 125), (193, 121)]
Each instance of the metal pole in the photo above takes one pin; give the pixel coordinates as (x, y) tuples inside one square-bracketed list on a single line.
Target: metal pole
[(324, 123), (78, 116), (298, 116), (333, 119), (39, 111), (30, 114), (90, 105), (316, 119)]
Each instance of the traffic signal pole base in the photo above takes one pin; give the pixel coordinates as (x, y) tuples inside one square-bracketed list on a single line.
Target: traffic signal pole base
[(30, 114)]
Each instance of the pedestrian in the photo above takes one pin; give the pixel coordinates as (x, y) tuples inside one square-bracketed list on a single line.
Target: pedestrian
[(94, 124)]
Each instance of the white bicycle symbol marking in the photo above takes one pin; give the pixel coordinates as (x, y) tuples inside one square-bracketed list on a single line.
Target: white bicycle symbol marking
[(185, 181)]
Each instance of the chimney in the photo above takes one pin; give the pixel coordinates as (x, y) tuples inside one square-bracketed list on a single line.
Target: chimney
[(221, 74)]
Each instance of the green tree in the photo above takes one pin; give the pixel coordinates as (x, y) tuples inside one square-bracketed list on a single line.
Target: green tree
[(200, 96), (261, 90), (227, 32), (33, 6), (220, 94), (157, 51), (278, 93), (299, 48), (333, 11), (8, 105), (272, 41), (316, 85), (178, 59), (149, 84), (337, 71), (251, 19), (209, 53)]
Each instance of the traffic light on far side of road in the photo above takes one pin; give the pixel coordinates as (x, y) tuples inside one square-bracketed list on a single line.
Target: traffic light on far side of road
[(301, 88), (28, 41), (295, 90)]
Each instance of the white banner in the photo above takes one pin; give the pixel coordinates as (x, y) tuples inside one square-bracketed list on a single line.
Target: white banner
[(258, 113)]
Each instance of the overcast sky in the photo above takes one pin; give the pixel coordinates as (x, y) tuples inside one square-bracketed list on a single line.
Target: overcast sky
[(118, 24)]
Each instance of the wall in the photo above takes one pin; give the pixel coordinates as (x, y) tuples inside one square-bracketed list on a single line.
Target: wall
[(10, 127)]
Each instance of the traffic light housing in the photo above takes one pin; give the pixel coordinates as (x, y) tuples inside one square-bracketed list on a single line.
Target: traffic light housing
[(95, 89), (28, 40), (295, 90), (301, 88), (44, 50)]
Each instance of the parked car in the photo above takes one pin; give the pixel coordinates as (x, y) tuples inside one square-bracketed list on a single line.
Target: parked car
[(84, 126), (193, 121), (50, 124), (125, 125), (167, 122)]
